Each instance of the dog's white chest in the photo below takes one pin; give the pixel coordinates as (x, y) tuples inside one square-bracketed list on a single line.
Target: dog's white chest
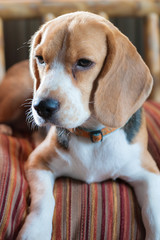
[(95, 162)]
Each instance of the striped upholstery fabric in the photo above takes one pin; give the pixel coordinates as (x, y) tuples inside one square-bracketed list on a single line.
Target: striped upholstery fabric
[(153, 125), (97, 211), (106, 210), (13, 186)]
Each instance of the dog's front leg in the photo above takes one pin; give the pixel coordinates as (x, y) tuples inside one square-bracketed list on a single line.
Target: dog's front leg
[(148, 194), (38, 224), (146, 184)]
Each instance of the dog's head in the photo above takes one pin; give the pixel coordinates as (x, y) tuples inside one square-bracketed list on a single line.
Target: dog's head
[(83, 66)]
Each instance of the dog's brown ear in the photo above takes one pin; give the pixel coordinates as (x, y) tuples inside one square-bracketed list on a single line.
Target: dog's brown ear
[(36, 39), (124, 82)]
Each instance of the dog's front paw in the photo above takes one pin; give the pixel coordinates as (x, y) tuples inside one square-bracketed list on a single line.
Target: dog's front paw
[(35, 228)]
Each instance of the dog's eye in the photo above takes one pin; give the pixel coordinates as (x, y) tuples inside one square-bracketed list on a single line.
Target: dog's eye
[(40, 59), (84, 63)]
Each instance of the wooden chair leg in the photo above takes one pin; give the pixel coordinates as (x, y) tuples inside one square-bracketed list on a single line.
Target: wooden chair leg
[(48, 17), (152, 51), (2, 51), (104, 14)]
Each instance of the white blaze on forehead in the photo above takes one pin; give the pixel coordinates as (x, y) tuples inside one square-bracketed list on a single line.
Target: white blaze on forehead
[(57, 78), (45, 29)]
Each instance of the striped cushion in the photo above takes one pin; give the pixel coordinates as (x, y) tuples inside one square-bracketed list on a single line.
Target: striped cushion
[(107, 210), (153, 125)]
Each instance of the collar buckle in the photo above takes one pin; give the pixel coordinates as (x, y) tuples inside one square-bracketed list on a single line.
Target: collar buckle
[(96, 136)]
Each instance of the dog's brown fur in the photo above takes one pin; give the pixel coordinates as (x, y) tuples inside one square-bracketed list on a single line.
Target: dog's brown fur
[(15, 89)]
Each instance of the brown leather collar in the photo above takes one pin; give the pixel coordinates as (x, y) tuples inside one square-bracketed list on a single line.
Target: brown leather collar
[(95, 136)]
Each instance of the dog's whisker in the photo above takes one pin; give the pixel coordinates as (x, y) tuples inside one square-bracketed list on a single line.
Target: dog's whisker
[(28, 99), (29, 111), (31, 123), (28, 115), (30, 119), (24, 45), (34, 126), (30, 104), (27, 103)]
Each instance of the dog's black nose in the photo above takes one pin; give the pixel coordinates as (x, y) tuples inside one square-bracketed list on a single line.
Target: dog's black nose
[(46, 107)]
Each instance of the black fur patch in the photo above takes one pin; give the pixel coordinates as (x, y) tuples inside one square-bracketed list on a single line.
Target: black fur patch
[(63, 137), (133, 125)]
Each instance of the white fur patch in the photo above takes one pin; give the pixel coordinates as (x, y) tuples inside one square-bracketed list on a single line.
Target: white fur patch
[(99, 161), (146, 186), (72, 112), (38, 224)]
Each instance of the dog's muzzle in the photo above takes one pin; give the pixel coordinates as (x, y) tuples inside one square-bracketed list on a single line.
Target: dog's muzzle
[(46, 108)]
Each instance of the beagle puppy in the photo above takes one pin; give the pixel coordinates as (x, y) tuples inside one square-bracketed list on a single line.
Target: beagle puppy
[(89, 87)]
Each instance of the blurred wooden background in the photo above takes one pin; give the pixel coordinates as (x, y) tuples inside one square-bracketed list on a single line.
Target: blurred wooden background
[(17, 34), (138, 19)]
